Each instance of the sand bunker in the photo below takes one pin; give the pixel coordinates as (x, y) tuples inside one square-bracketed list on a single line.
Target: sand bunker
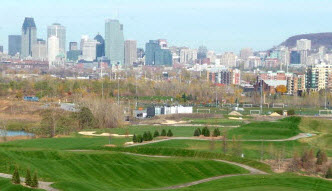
[(92, 133)]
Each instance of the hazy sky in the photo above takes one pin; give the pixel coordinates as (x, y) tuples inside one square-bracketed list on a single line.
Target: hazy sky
[(221, 25)]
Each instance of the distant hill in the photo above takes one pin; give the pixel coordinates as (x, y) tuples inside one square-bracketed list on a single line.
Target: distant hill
[(317, 40)]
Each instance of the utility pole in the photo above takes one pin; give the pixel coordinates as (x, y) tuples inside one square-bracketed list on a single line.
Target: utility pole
[(136, 90), (118, 89), (261, 95), (216, 96)]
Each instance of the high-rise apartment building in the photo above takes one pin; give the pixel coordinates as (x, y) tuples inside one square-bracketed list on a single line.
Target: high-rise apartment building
[(317, 76), (303, 44), (29, 37), (188, 56), (157, 53), (114, 42), (59, 31), (14, 44), (295, 57), (39, 50), (245, 53), (228, 59), (130, 52), (53, 47), (100, 46)]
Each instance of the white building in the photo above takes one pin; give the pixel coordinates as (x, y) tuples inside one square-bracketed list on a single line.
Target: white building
[(245, 53), (303, 44), (39, 50), (53, 49), (59, 31), (89, 50), (228, 59), (188, 56), (130, 52)]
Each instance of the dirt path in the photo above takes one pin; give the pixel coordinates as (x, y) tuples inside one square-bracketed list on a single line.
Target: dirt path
[(299, 136), (252, 171), (42, 185)]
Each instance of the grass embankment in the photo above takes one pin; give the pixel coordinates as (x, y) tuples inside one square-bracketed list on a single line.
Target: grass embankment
[(284, 182), (101, 170), (281, 129), (216, 121)]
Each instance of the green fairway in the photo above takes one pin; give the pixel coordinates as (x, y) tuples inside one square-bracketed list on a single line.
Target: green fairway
[(99, 170), (217, 121), (281, 129), (6, 185), (284, 182), (251, 150), (67, 143)]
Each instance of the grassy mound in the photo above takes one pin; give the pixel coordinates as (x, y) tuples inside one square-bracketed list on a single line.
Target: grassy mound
[(6, 185), (281, 129), (98, 170), (284, 182)]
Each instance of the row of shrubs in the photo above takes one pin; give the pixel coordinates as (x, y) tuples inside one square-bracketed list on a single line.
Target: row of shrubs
[(29, 181), (206, 132), (147, 136)]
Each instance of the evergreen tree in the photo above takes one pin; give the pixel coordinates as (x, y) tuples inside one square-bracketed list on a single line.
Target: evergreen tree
[(16, 176), (206, 132), (163, 133), (197, 132), (139, 138), (156, 133), (169, 133), (216, 132), (145, 136), (149, 136), (28, 180), (321, 157), (329, 172), (34, 182), (134, 139)]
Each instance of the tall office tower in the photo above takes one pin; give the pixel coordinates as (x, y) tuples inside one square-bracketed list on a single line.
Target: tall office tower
[(53, 47), (228, 59), (14, 44), (303, 44), (100, 46), (29, 37), (245, 53), (202, 52), (157, 54), (1, 49), (59, 31), (130, 52), (39, 50), (84, 38), (114, 42), (188, 56), (140, 53), (73, 46), (89, 50)]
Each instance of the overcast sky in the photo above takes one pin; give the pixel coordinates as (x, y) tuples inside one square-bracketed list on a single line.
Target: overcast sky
[(221, 25)]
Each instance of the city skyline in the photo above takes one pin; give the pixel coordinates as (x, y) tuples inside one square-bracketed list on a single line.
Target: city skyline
[(220, 25)]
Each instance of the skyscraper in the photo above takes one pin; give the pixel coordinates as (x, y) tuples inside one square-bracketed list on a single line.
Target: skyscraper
[(1, 49), (39, 50), (89, 50), (73, 46), (14, 44), (100, 46), (157, 53), (59, 31), (130, 52), (29, 37), (114, 42), (53, 47)]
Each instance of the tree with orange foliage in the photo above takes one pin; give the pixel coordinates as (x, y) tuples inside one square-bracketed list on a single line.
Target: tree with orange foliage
[(281, 89)]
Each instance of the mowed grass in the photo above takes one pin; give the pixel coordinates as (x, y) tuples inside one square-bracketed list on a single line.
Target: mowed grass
[(284, 182), (66, 143), (178, 131), (281, 129), (251, 150), (101, 170), (217, 121), (6, 185)]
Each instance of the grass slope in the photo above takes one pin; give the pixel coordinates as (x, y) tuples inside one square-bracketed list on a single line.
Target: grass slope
[(281, 129), (284, 182), (100, 170), (6, 185)]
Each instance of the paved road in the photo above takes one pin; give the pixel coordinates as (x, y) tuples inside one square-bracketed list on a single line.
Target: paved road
[(252, 171), (42, 185), (299, 136)]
